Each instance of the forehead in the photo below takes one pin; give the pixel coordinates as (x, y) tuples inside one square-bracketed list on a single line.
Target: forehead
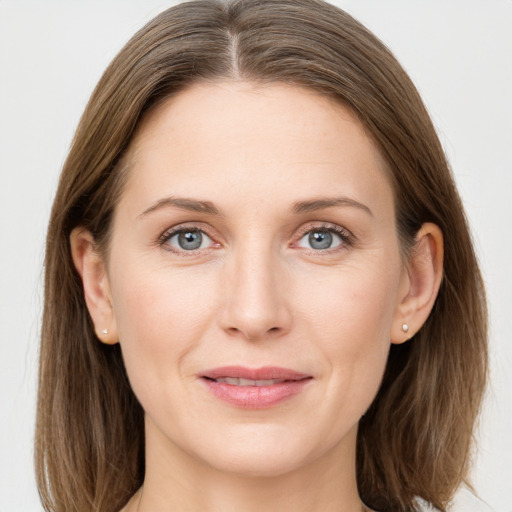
[(251, 140)]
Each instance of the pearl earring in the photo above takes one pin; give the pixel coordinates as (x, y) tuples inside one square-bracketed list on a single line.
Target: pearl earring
[(405, 327), (105, 331)]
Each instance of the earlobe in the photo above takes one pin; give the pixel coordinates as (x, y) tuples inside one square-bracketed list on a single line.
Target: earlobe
[(91, 267), (422, 279)]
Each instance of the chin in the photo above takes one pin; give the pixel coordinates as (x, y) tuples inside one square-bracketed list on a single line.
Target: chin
[(259, 464), (261, 452)]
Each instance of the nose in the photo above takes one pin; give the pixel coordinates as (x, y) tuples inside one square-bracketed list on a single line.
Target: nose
[(256, 299)]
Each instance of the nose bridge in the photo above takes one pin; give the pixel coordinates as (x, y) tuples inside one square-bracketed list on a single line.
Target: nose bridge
[(255, 303)]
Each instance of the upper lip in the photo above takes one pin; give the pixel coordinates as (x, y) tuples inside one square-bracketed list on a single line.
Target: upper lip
[(264, 373)]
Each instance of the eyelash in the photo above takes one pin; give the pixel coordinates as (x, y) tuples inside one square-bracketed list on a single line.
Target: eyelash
[(168, 235), (347, 238)]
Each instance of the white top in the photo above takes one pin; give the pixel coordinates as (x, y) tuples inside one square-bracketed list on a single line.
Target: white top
[(464, 501)]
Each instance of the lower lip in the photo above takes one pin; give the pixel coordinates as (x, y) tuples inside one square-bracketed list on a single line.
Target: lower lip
[(256, 397)]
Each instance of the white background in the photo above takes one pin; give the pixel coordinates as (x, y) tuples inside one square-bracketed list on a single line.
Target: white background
[(459, 53)]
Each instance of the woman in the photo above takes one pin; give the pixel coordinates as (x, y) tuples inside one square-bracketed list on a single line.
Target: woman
[(261, 292)]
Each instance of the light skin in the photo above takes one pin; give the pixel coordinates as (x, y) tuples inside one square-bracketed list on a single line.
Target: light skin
[(299, 266)]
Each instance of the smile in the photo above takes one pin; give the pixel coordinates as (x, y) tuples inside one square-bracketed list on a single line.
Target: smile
[(260, 388), (248, 382)]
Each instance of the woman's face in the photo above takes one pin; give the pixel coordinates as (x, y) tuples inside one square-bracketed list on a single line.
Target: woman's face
[(255, 243)]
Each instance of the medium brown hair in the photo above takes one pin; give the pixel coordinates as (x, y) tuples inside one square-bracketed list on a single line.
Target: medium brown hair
[(415, 439)]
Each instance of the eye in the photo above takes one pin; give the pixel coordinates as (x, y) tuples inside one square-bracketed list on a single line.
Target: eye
[(188, 240), (322, 239)]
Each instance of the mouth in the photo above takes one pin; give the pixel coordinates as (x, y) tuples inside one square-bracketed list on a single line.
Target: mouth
[(259, 388), (247, 382)]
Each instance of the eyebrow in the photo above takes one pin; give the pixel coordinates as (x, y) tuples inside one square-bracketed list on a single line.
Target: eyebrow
[(191, 205), (328, 202), (194, 205)]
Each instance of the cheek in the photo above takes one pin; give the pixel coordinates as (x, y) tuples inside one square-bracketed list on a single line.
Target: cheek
[(350, 314), (161, 300), (161, 316), (351, 306)]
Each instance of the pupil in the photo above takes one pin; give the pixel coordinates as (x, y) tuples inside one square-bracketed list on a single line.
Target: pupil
[(190, 240), (320, 239)]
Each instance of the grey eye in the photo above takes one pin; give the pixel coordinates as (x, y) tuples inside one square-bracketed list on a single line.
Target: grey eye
[(189, 240), (320, 239)]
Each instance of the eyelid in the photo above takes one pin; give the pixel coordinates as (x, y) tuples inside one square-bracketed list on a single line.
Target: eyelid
[(346, 236), (184, 227)]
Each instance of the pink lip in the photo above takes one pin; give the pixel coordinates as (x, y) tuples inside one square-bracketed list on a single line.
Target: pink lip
[(255, 397), (265, 373)]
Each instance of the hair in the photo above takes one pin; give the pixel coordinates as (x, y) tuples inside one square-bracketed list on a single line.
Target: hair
[(416, 438)]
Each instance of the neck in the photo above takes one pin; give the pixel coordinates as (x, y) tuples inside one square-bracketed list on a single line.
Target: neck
[(176, 481)]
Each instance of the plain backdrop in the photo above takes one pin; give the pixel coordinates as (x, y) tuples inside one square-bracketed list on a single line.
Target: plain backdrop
[(459, 54)]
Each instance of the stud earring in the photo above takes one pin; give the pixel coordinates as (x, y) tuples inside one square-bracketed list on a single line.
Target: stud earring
[(105, 331), (405, 327)]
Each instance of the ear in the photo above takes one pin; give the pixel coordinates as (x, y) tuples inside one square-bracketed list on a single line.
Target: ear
[(91, 267), (420, 284)]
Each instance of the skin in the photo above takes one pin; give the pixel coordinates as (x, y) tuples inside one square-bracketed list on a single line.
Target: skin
[(255, 294)]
